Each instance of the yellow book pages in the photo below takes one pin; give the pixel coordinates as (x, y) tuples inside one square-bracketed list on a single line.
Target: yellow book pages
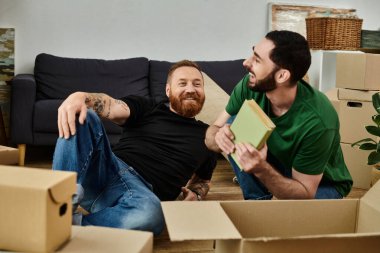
[(252, 126)]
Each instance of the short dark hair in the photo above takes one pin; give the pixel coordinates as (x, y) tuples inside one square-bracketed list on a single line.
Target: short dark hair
[(183, 63), (291, 51)]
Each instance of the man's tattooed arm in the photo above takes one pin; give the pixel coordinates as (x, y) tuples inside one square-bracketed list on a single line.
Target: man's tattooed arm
[(198, 186), (100, 103), (108, 107)]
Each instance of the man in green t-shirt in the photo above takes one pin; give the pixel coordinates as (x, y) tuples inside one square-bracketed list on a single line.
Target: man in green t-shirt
[(302, 159)]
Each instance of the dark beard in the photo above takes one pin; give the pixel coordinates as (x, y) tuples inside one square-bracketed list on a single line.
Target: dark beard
[(187, 109), (266, 84)]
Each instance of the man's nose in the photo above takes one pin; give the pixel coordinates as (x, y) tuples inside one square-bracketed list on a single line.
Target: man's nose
[(190, 88), (247, 63)]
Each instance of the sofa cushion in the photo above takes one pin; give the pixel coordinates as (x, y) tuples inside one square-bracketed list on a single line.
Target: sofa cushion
[(225, 73), (46, 115), (58, 77)]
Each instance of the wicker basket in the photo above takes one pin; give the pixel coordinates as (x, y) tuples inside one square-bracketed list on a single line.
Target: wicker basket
[(334, 33)]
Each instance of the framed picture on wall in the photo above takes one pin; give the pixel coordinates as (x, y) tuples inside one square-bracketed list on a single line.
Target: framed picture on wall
[(292, 17), (7, 54)]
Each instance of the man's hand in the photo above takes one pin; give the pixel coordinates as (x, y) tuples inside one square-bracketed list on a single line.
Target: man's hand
[(224, 139), (188, 195), (251, 159), (74, 104)]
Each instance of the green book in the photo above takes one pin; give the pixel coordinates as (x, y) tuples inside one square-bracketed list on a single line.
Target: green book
[(251, 125)]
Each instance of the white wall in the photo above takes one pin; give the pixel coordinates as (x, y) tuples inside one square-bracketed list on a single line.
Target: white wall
[(157, 29)]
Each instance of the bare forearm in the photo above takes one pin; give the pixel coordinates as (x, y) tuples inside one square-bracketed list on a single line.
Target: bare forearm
[(282, 187), (108, 107), (100, 103), (210, 138)]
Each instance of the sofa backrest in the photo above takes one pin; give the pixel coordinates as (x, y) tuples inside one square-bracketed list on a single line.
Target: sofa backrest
[(58, 77), (225, 73)]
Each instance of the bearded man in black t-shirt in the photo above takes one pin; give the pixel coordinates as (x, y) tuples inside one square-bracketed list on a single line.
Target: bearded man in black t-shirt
[(161, 152)]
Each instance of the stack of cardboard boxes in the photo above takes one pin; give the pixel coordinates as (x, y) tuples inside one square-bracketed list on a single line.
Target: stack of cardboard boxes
[(357, 79)]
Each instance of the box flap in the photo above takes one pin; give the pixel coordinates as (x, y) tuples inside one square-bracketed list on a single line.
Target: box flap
[(337, 243), (60, 184), (369, 211), (355, 95), (285, 218), (63, 190), (205, 220), (31, 177), (101, 239)]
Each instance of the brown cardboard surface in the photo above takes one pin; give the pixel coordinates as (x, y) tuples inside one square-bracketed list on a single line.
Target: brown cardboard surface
[(353, 117), (31, 220), (355, 95), (332, 95), (343, 243), (288, 225), (356, 162), (297, 218), (8, 155), (358, 71), (197, 220), (216, 100), (369, 212), (101, 239)]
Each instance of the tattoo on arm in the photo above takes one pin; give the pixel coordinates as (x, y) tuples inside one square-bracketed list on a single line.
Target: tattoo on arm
[(198, 185), (109, 108), (200, 188), (122, 103), (97, 102)]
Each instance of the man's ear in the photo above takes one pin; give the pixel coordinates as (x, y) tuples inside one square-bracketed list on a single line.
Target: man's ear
[(167, 89), (282, 76)]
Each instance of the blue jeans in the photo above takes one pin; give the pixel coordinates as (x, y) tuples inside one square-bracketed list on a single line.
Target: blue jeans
[(253, 189), (115, 195)]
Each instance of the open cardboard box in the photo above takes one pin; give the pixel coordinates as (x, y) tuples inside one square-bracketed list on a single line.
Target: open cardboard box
[(348, 225), (92, 239), (35, 209)]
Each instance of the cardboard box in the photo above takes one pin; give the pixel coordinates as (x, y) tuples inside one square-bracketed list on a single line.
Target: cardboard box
[(356, 161), (332, 95), (355, 112), (297, 226), (101, 239), (8, 155), (358, 71), (356, 95), (35, 210)]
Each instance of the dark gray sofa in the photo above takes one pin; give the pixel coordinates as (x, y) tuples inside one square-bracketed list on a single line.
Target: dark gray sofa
[(36, 97)]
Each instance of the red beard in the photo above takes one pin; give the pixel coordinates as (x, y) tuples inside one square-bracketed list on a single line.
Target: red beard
[(187, 108)]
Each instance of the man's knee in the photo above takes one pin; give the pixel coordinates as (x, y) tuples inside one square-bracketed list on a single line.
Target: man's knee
[(152, 218)]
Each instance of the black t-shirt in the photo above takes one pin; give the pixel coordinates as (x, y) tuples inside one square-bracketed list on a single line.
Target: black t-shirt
[(164, 147)]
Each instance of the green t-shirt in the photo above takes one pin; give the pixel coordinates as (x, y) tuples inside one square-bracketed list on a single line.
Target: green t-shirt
[(306, 137)]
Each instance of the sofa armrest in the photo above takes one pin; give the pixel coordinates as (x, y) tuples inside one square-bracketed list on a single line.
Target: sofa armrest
[(23, 97)]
